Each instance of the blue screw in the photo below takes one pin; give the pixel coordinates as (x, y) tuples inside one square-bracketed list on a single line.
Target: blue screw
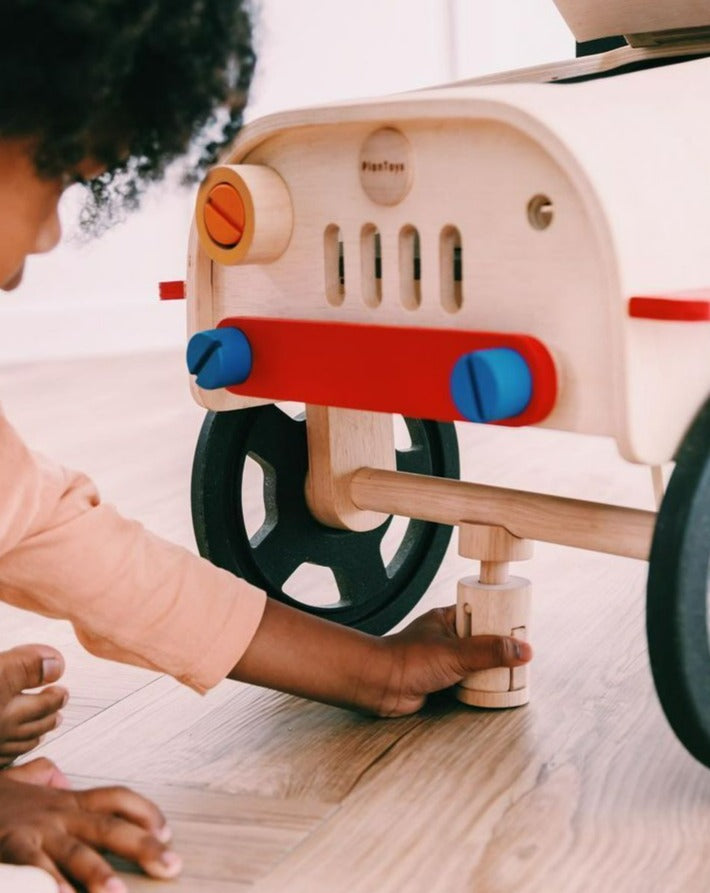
[(219, 357), (489, 385)]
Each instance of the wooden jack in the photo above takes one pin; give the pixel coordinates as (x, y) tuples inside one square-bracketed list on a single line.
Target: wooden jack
[(493, 604)]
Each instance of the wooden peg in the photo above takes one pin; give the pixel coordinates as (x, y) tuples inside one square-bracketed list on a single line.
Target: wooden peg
[(488, 542), (493, 604), (339, 442), (243, 214)]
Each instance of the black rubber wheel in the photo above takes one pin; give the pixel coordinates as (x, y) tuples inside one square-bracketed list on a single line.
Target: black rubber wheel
[(677, 604), (370, 592)]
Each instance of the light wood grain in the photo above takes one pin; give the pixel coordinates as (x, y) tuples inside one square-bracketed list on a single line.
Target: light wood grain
[(599, 64), (582, 789), (251, 741), (492, 544), (227, 841), (570, 522)]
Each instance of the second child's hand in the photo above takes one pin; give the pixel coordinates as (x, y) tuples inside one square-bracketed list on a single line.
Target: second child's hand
[(65, 832)]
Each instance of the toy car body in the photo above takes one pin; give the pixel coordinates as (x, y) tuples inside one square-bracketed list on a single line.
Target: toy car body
[(520, 252), (616, 165)]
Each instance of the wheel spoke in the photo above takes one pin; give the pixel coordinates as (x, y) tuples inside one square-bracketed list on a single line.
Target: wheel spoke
[(411, 459), (272, 552), (360, 573), (268, 438)]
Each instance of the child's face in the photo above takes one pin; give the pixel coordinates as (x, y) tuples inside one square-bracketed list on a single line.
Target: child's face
[(29, 222)]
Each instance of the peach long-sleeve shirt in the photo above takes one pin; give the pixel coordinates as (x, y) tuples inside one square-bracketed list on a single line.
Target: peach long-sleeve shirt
[(130, 595)]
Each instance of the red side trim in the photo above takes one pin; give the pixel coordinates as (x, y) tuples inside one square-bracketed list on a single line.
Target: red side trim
[(172, 291), (378, 368), (691, 307)]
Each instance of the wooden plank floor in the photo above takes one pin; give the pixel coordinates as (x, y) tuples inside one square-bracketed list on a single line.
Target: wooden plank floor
[(584, 789)]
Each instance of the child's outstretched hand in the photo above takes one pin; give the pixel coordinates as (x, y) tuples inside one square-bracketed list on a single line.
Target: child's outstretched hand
[(389, 676), (428, 656), (44, 824)]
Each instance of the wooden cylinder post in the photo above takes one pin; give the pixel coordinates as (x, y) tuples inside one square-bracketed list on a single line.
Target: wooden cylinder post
[(493, 604)]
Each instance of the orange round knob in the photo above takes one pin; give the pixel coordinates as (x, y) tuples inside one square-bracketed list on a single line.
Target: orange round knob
[(224, 215)]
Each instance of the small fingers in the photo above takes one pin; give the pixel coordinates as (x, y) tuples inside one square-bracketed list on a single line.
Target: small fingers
[(130, 841), (83, 864), (488, 652), (128, 805)]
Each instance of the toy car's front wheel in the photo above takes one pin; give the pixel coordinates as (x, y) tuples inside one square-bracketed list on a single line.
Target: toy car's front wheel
[(678, 590), (367, 580)]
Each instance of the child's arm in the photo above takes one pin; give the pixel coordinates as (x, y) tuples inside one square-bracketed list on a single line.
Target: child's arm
[(135, 597), (389, 676), (130, 595)]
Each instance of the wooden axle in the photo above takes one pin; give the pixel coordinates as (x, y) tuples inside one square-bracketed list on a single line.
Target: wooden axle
[(614, 529)]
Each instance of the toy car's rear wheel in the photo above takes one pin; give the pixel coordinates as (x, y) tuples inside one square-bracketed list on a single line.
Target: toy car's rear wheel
[(678, 590), (367, 580)]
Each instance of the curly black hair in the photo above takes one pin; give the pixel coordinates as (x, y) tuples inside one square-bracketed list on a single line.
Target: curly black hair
[(133, 84)]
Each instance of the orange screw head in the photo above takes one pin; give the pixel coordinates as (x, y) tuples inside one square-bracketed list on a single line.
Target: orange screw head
[(224, 215)]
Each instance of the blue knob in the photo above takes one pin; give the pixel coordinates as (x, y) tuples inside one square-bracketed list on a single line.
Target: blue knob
[(489, 385), (219, 357)]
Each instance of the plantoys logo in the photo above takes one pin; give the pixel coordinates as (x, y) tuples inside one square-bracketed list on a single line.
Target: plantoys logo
[(388, 167), (385, 166)]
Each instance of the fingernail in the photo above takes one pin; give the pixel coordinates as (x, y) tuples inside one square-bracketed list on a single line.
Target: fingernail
[(50, 667), (59, 719), (64, 700), (522, 650), (114, 885), (171, 860), (164, 834)]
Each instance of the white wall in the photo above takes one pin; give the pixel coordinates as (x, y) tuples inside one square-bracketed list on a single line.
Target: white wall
[(102, 297)]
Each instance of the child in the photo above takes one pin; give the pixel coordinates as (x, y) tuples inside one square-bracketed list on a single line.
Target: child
[(108, 92)]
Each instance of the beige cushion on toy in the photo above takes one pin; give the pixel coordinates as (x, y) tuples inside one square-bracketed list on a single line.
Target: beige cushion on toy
[(591, 19)]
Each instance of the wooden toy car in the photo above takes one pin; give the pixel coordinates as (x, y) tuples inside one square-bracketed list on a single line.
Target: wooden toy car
[(526, 249)]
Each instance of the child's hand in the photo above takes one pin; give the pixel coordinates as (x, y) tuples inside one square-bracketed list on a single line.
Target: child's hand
[(62, 831), (428, 656), (390, 676)]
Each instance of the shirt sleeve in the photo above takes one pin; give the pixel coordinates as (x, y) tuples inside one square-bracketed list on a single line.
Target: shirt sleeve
[(130, 595)]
